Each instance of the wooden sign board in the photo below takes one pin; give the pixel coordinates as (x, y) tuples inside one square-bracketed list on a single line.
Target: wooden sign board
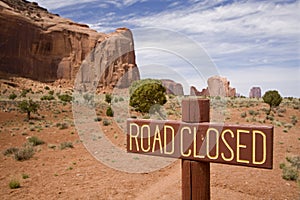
[(245, 145)]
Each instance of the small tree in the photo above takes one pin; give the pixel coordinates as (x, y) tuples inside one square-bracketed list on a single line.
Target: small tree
[(109, 112), (28, 106), (273, 98), (108, 98), (147, 94)]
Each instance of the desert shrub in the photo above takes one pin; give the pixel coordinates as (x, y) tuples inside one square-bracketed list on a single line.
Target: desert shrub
[(62, 126), (65, 145), (12, 96), (290, 171), (116, 100), (24, 153), (108, 98), (25, 92), (47, 97), (46, 88), (294, 120), (106, 122), (34, 141), (269, 117), (13, 184), (88, 97), (25, 176), (109, 112), (121, 99), (97, 119), (65, 98), (243, 114), (51, 92), (10, 151)]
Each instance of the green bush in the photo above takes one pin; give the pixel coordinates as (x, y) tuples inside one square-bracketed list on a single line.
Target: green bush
[(51, 92), (294, 120), (147, 94), (106, 122), (108, 98), (65, 145), (25, 92), (25, 176), (10, 151), (12, 96), (273, 98), (65, 98), (47, 97), (46, 88), (14, 184), (109, 112), (97, 119), (290, 171), (243, 114), (34, 141), (290, 174)]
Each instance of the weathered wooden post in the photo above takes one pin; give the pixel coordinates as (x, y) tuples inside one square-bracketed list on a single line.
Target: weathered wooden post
[(195, 174)]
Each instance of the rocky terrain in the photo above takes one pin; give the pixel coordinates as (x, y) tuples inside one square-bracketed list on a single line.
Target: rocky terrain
[(45, 47)]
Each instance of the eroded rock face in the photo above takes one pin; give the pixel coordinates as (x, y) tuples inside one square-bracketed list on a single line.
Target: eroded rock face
[(172, 87), (217, 86), (110, 64), (45, 47), (255, 92)]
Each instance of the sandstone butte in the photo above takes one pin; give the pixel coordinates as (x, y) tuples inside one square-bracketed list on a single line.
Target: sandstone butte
[(217, 86), (45, 47)]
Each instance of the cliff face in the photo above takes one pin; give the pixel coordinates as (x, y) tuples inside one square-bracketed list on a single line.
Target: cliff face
[(110, 64), (42, 46)]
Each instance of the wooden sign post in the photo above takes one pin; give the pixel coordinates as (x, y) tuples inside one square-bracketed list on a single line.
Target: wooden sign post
[(195, 174), (198, 142)]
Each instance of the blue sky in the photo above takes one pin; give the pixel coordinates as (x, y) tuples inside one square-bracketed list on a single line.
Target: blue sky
[(252, 43)]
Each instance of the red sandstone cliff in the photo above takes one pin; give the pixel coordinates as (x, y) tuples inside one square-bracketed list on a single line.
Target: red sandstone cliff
[(42, 46)]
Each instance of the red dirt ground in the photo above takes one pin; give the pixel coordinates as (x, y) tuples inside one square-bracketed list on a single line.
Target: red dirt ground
[(75, 174)]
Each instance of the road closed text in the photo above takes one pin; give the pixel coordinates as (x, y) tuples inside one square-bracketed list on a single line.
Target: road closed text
[(228, 144)]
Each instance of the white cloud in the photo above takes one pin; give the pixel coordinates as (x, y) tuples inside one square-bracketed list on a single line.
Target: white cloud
[(246, 39), (250, 38)]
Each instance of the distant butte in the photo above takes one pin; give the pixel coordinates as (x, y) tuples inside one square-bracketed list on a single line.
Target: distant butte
[(217, 86)]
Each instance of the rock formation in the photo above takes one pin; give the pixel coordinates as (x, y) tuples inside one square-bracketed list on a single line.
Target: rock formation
[(110, 64), (255, 92), (172, 87), (45, 47), (195, 92), (217, 86)]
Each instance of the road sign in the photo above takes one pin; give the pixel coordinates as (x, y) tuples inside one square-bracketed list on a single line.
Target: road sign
[(229, 144)]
